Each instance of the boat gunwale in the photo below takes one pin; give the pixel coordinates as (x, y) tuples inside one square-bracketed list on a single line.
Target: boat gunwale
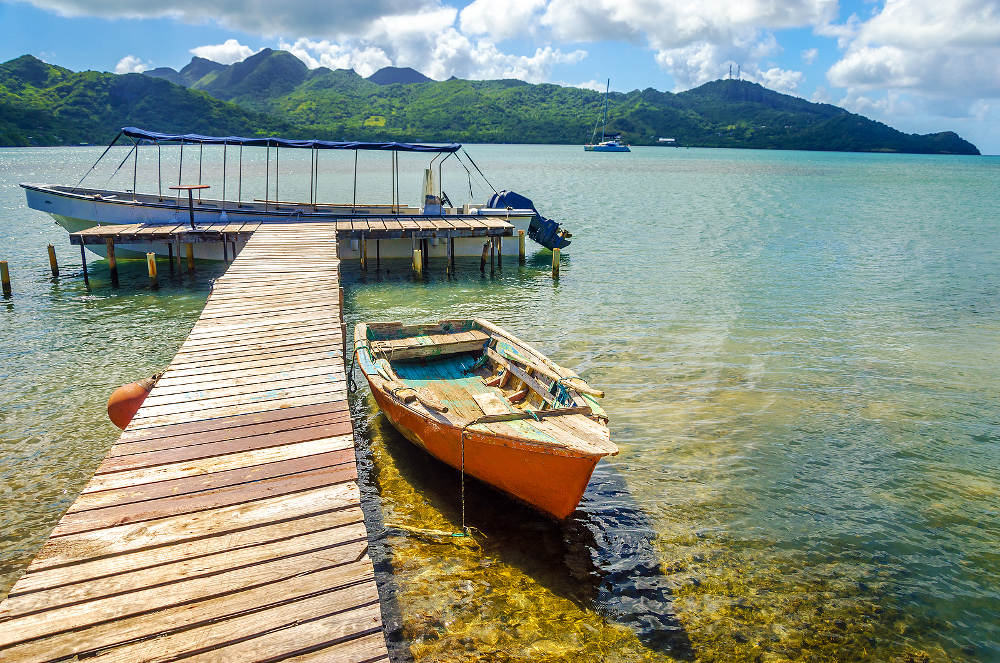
[(361, 340), (221, 207)]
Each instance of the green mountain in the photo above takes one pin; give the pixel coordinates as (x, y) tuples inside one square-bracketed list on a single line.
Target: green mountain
[(41, 104), (403, 75), (274, 92)]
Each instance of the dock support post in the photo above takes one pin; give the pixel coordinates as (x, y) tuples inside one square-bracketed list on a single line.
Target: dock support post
[(177, 241), (109, 244), (426, 253), (151, 267), (225, 249), (364, 253), (555, 263), (520, 247), (53, 263), (450, 250), (500, 254), (482, 259), (83, 262), (493, 247), (343, 325), (378, 255), (418, 262), (170, 256), (5, 279), (189, 251)]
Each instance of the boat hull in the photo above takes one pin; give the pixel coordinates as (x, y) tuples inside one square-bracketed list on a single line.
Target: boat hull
[(606, 148), (552, 481)]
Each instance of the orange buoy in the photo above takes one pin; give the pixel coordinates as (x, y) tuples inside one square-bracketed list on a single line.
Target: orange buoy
[(126, 400)]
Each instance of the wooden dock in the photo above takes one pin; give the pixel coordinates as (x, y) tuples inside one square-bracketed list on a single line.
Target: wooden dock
[(401, 226), (225, 523)]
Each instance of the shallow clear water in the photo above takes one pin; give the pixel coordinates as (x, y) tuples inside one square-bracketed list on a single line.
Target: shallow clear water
[(802, 358)]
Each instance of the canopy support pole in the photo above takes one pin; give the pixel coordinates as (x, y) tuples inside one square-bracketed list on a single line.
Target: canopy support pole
[(316, 168), (106, 150), (180, 168), (312, 173), (441, 179), (201, 154), (159, 171), (135, 171), (239, 188), (224, 146)]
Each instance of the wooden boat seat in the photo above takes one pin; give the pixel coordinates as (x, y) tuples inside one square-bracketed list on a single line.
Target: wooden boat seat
[(431, 345)]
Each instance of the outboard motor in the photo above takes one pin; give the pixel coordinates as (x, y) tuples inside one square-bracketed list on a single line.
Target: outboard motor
[(544, 231)]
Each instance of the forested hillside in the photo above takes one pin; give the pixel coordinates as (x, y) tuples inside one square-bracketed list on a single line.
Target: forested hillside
[(273, 92)]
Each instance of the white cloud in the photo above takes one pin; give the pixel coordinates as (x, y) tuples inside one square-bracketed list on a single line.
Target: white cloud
[(704, 61), (228, 52), (809, 55), (500, 19), (671, 24), (331, 18), (782, 80), (428, 42), (365, 60), (131, 64), (919, 59)]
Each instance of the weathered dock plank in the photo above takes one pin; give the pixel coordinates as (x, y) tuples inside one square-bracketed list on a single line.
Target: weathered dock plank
[(225, 523)]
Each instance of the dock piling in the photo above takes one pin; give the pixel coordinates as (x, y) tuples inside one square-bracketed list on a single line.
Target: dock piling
[(170, 256), (555, 263), (450, 251), (53, 263), (83, 263), (109, 244), (189, 251), (500, 254), (5, 279), (520, 247), (418, 262), (493, 246), (225, 249), (151, 267), (364, 253), (482, 259)]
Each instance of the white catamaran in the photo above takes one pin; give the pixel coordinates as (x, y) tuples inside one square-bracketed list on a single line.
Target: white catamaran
[(608, 142), (76, 208)]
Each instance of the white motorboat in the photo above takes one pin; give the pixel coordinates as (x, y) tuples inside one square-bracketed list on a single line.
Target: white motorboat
[(77, 208)]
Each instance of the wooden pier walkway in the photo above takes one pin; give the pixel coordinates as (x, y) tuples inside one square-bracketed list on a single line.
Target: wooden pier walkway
[(225, 523), (349, 227)]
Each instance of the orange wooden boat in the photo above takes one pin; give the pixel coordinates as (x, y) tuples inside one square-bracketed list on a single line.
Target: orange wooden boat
[(487, 403)]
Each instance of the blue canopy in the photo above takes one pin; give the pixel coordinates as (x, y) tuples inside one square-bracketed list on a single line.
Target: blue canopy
[(134, 132)]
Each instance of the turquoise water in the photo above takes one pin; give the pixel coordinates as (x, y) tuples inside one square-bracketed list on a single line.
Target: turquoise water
[(802, 358)]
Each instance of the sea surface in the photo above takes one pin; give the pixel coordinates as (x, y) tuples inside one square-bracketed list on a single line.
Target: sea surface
[(801, 354)]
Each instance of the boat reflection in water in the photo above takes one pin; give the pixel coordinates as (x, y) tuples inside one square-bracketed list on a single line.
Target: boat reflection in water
[(588, 586)]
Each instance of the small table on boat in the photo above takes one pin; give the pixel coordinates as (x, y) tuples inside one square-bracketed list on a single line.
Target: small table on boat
[(190, 189)]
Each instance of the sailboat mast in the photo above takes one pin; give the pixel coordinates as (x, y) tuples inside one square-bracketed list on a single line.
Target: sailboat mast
[(605, 125)]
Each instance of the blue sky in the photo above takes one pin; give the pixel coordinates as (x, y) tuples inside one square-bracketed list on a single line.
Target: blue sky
[(918, 65)]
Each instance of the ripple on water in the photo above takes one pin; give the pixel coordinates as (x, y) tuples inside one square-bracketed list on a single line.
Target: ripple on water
[(801, 353)]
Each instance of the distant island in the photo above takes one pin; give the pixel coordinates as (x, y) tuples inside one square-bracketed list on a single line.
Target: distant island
[(274, 93)]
